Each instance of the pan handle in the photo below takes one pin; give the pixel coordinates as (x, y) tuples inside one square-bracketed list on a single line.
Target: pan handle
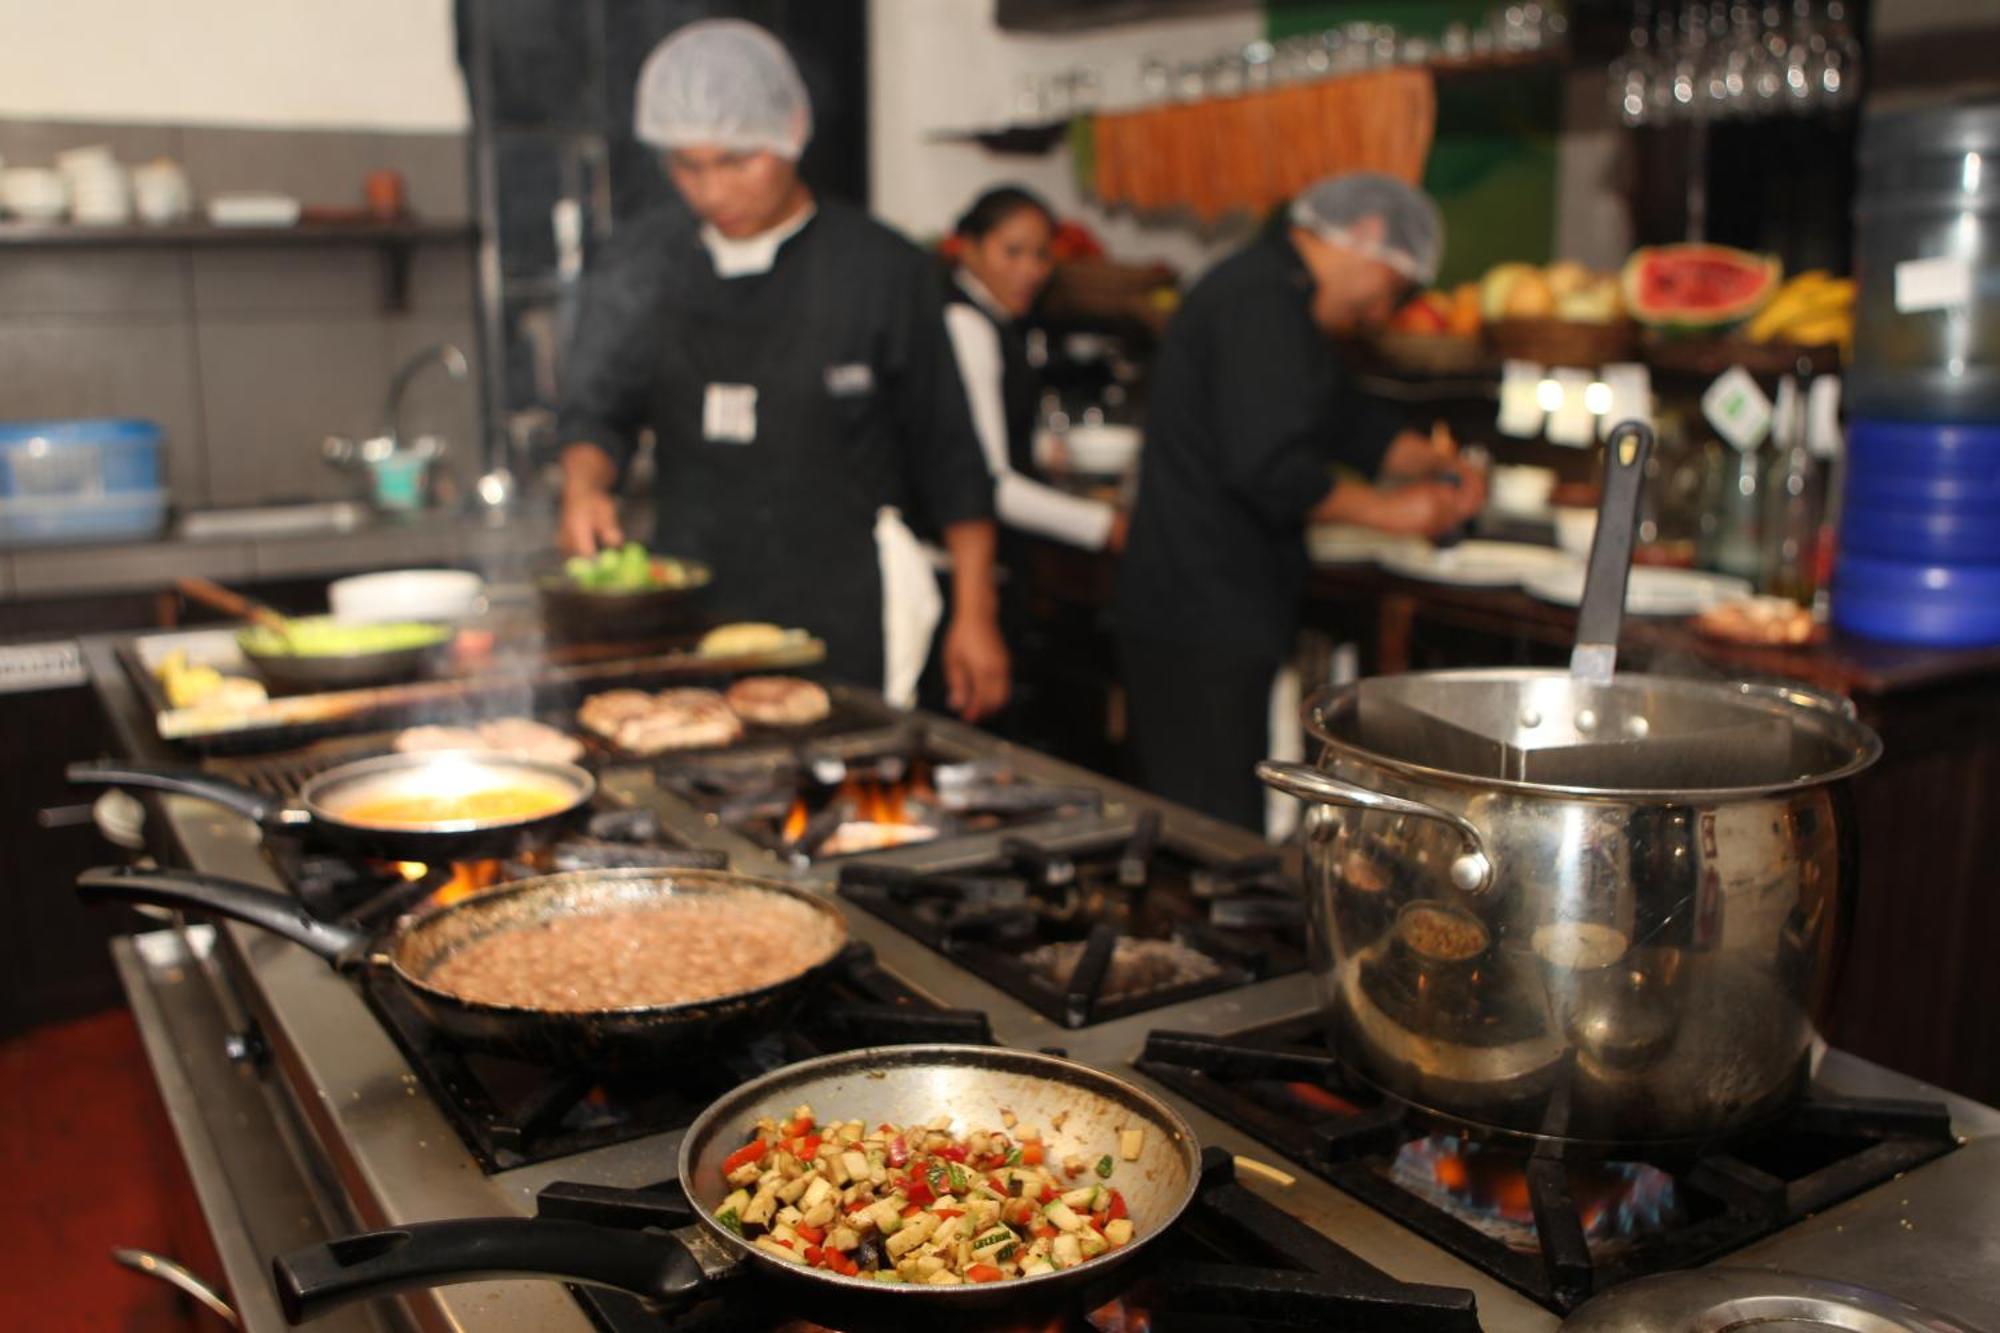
[(245, 801), (657, 1268), (1601, 613), (1471, 870), (279, 913)]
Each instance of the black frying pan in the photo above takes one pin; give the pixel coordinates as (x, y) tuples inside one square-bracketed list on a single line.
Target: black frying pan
[(596, 1039), (321, 810), (897, 1084), (313, 673)]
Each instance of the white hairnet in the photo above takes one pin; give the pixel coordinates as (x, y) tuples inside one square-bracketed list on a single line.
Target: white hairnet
[(1412, 232), (722, 83)]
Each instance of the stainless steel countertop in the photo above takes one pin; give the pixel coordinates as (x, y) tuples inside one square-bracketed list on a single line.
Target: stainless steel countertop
[(370, 1129)]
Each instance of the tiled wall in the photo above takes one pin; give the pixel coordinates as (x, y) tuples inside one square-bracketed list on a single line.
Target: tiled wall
[(247, 357)]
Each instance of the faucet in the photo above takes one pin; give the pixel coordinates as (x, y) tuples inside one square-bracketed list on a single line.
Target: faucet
[(446, 355), (341, 451)]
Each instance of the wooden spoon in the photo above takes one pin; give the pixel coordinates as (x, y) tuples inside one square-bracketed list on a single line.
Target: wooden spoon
[(234, 604)]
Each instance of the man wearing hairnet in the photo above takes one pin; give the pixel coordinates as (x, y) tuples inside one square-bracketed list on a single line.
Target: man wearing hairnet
[(789, 355), (1250, 414)]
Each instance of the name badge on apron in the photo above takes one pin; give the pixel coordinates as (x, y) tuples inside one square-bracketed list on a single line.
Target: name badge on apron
[(729, 413)]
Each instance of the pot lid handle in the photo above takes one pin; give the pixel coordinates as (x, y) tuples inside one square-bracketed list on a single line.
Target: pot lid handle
[(1471, 870)]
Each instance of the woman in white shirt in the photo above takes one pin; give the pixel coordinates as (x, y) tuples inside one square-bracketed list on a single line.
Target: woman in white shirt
[(1003, 263)]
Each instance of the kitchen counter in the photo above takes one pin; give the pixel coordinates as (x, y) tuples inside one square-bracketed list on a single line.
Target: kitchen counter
[(383, 542)]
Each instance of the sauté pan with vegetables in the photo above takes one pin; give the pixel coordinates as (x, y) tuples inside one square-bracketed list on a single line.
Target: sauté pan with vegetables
[(921, 1204)]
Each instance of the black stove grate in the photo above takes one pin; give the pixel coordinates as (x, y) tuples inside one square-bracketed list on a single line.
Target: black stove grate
[(1214, 926), (1233, 1263), (513, 1112), (1281, 1085)]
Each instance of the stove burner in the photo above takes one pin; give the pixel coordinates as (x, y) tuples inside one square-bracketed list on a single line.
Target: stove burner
[(1088, 934), (1555, 1221), (1234, 1263), (512, 1112), (850, 795)]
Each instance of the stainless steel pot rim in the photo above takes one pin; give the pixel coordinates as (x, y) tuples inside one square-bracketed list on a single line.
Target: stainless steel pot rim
[(1782, 700), (410, 927), (580, 781), (1053, 1068)]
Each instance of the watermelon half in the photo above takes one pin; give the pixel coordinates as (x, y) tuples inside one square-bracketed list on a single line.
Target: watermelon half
[(1697, 286)]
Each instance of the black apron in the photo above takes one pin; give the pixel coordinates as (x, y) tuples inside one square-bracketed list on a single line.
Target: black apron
[(786, 520)]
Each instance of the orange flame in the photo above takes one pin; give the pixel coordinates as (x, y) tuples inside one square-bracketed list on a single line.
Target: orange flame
[(796, 819), (412, 871), (468, 878)]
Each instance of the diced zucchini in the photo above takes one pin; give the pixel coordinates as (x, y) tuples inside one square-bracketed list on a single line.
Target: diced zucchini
[(1081, 1197), (1067, 1252), (820, 1216), (929, 1264), (1118, 1231), (782, 1230), (886, 1275), (730, 1220), (790, 1191), (845, 1238), (747, 1174), (1061, 1217), (1091, 1243), (817, 1192), (737, 1202), (761, 1209), (947, 1230), (1036, 1266), (1100, 1199), (989, 1245), (1130, 1143), (850, 1132), (785, 1252), (945, 1279), (788, 1216), (914, 1232), (856, 1164), (887, 1216), (836, 1169)]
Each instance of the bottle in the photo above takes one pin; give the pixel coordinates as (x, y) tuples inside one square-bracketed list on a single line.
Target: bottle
[(1738, 546), (1793, 501)]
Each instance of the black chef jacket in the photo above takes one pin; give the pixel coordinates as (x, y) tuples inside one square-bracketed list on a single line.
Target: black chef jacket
[(858, 405), (1248, 410)]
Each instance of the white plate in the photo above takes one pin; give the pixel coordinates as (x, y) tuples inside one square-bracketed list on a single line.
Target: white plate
[(1350, 544), (1479, 564), (1650, 591)]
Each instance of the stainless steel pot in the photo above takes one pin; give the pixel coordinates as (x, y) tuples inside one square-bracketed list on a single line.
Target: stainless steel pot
[(1618, 964)]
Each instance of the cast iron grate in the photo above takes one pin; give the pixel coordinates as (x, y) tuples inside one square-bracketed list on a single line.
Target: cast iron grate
[(1212, 926), (1282, 1085), (1234, 1263)]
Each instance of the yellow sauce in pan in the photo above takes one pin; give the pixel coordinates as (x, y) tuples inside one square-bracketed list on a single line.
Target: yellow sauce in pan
[(488, 805)]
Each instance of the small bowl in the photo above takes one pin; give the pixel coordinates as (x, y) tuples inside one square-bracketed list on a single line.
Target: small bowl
[(588, 615), (1102, 449), (1575, 528), (407, 594)]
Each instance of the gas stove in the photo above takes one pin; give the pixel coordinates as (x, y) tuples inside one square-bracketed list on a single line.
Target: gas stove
[(352, 1121)]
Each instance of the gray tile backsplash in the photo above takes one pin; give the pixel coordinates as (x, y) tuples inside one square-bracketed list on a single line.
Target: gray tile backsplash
[(247, 357)]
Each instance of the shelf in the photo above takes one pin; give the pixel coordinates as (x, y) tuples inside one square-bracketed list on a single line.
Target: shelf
[(64, 235), (395, 241)]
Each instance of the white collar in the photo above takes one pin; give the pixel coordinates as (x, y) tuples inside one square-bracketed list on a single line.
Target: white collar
[(752, 254), (980, 294)]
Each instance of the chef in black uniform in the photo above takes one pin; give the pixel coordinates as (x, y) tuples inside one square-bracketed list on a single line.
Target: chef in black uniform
[(1250, 413), (789, 355)]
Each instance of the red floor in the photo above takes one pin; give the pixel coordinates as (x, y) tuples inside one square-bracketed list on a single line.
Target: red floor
[(88, 1164)]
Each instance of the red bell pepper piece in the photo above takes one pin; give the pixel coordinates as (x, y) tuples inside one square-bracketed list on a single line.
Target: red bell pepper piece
[(804, 1148), (1045, 1233), (899, 1151), (860, 1206), (1031, 1153), (913, 1210), (799, 1128), (815, 1256), (812, 1235), (944, 1212), (983, 1273), (1049, 1194), (1116, 1209), (841, 1264), (919, 1193), (951, 1152), (750, 1152)]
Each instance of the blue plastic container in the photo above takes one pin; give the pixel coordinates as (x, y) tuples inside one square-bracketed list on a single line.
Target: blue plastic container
[(1922, 493), (1940, 605), (99, 456)]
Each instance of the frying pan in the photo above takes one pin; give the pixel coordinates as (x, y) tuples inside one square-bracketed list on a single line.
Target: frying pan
[(594, 1039), (603, 615), (319, 811), (896, 1084), (310, 673)]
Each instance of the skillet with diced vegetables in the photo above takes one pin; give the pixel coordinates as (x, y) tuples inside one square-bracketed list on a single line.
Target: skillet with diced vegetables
[(922, 1203), (965, 1219)]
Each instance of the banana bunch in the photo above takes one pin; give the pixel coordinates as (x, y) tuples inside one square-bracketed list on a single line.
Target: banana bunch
[(193, 684), (1810, 310)]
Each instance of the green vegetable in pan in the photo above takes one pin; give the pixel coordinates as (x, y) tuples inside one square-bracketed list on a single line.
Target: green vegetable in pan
[(627, 568), (322, 636)]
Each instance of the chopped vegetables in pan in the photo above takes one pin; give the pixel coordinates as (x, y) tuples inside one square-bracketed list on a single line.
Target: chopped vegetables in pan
[(920, 1203)]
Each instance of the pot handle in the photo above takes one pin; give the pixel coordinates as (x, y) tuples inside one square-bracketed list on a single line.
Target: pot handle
[(1471, 871), (279, 913), (656, 1268), (245, 801)]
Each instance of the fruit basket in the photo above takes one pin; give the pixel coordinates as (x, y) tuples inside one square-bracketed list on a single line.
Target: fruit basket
[(1431, 353), (1561, 342)]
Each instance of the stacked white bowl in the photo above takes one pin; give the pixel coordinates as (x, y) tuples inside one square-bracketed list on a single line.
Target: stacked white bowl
[(100, 190)]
